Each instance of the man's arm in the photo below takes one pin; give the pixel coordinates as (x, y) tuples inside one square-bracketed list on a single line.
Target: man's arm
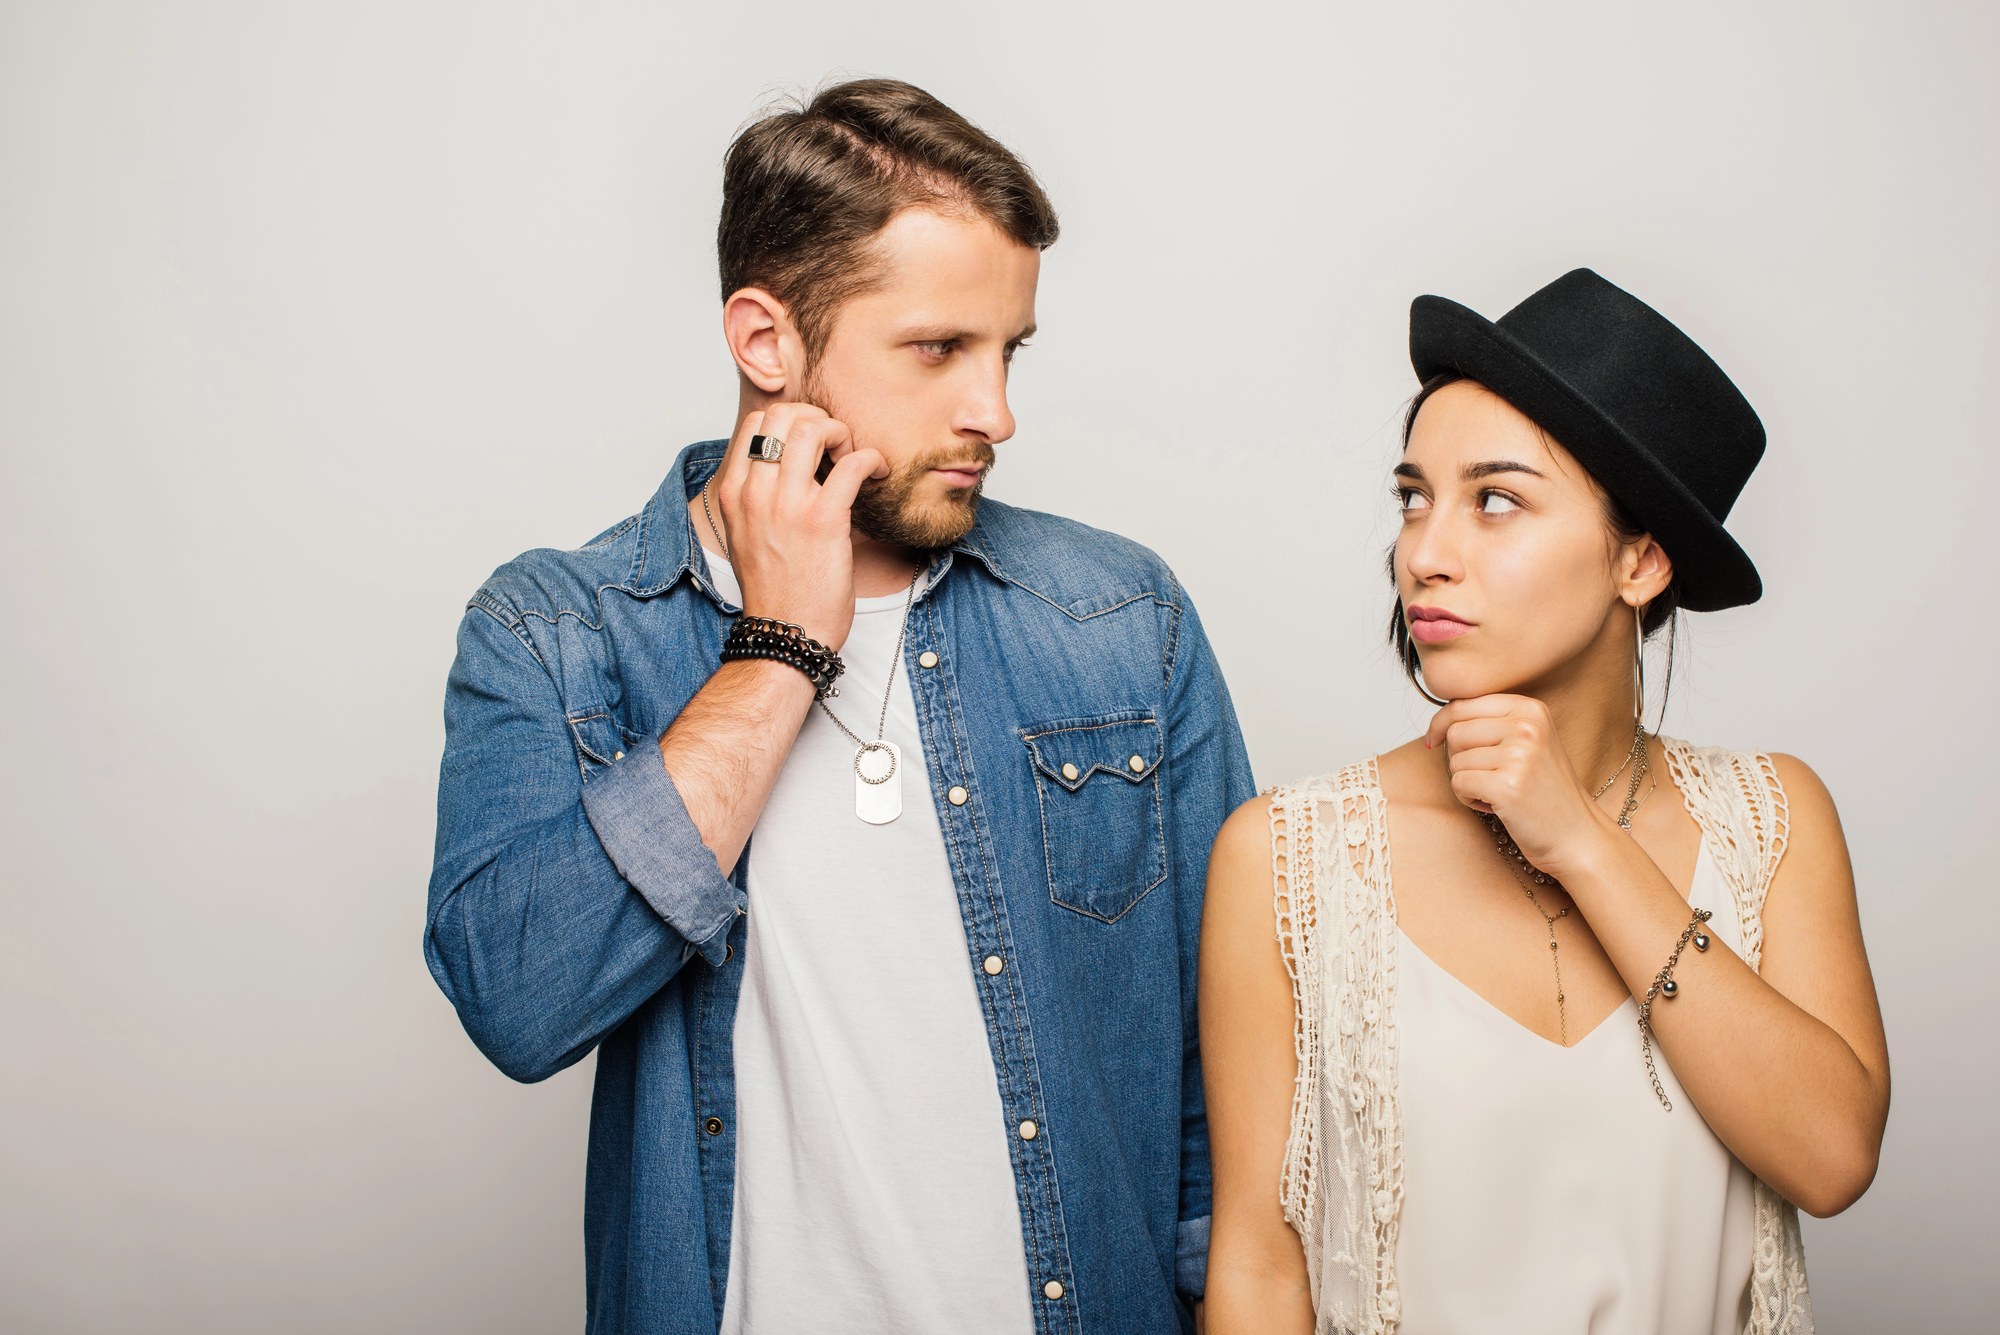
[(790, 546), (1209, 776), (534, 931)]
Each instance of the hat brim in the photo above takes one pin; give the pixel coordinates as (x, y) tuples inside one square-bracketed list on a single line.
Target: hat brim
[(1714, 572)]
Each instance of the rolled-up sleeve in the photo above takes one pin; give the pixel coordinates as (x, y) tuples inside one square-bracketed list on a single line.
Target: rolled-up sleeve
[(542, 941), (645, 828), (1191, 1256)]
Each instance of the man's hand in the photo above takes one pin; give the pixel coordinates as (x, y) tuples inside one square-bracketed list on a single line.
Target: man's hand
[(788, 533)]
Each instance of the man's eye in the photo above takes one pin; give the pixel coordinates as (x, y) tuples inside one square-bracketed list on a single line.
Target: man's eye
[(935, 349), (1409, 500), (1497, 503)]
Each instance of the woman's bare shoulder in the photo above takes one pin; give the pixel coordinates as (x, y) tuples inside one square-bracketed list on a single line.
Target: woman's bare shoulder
[(1411, 773)]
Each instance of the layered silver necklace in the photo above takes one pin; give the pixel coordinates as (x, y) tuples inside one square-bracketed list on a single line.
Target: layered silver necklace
[(878, 765)]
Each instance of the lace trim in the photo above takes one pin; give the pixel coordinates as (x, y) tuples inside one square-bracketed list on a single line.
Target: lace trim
[(1332, 832), (1342, 1185)]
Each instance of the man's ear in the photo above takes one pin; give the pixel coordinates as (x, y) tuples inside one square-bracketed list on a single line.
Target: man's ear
[(1648, 571), (761, 338)]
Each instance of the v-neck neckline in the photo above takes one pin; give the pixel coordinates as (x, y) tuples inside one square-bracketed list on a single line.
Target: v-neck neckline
[(1701, 856)]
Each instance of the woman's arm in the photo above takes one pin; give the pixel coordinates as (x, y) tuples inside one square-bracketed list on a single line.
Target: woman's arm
[(1789, 1069), (1257, 1282)]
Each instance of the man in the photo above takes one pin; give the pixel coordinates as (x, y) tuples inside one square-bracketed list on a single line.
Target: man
[(892, 989)]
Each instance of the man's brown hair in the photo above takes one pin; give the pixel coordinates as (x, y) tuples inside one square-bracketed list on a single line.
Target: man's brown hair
[(806, 188)]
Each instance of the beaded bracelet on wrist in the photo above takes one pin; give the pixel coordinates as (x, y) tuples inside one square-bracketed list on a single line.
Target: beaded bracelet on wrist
[(782, 642)]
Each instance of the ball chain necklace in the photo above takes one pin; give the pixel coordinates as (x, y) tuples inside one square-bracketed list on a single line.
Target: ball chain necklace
[(1528, 876), (878, 798)]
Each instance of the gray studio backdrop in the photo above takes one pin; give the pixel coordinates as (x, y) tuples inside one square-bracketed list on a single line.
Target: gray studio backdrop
[(311, 315)]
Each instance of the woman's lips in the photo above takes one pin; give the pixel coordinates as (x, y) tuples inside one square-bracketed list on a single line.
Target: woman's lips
[(1434, 625)]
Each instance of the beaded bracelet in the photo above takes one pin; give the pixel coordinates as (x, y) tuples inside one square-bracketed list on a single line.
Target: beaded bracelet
[(1665, 986), (782, 642)]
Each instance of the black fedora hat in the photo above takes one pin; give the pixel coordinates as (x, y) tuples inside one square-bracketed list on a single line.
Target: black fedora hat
[(1642, 407)]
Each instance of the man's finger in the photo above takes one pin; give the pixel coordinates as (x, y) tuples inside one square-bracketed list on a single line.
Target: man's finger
[(811, 437), (737, 457), (844, 482)]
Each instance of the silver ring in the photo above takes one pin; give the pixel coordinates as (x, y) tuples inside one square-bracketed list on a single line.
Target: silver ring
[(767, 449), (866, 747)]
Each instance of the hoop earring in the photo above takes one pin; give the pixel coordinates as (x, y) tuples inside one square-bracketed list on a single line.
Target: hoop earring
[(1415, 670), (1639, 642)]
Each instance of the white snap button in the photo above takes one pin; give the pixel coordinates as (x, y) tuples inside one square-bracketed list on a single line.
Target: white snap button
[(927, 659), (1070, 773), (994, 964), (617, 755), (956, 796), (1138, 764), (1028, 1130), (1052, 1290)]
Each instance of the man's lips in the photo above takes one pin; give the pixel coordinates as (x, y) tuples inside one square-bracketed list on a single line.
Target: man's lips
[(961, 475), (1434, 625)]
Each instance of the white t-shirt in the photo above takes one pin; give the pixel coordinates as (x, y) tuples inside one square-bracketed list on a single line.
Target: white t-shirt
[(874, 1190)]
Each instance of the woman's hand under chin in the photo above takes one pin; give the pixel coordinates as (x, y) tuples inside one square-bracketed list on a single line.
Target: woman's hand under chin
[(1506, 758)]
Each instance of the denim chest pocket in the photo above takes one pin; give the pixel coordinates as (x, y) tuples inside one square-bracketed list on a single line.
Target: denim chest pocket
[(1102, 831)]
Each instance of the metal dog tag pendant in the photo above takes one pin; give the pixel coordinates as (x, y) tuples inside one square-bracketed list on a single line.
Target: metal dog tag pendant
[(878, 782)]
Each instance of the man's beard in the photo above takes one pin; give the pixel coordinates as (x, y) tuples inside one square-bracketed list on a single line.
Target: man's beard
[(887, 510)]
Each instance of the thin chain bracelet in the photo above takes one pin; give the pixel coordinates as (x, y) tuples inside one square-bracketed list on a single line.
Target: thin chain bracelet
[(1665, 986)]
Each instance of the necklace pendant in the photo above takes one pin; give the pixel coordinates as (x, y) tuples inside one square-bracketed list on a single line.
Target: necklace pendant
[(878, 782)]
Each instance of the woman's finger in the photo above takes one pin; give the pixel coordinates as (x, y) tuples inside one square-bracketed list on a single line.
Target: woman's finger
[(1469, 733), (1478, 706)]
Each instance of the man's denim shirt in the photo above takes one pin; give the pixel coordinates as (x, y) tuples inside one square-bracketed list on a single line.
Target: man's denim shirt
[(573, 905)]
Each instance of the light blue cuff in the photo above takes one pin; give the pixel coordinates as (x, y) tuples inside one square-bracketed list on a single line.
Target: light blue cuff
[(1191, 1256), (645, 828)]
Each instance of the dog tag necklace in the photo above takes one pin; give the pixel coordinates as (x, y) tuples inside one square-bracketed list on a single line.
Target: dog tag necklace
[(878, 765)]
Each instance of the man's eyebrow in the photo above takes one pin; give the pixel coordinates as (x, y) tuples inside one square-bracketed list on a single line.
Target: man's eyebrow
[(944, 333), (1473, 472), (931, 333)]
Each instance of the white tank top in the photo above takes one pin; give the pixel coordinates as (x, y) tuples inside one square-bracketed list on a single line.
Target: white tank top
[(1447, 1170), (1544, 1188)]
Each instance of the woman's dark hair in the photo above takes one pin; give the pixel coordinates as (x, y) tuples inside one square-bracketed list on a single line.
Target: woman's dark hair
[(1663, 611)]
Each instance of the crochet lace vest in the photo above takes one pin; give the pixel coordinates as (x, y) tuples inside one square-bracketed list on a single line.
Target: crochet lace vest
[(1336, 922)]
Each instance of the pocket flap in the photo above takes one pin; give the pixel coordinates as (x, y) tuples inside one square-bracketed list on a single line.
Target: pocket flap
[(1069, 751), (598, 735)]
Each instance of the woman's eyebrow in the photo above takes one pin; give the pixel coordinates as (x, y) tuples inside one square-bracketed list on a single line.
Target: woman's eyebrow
[(1410, 471), (1473, 472)]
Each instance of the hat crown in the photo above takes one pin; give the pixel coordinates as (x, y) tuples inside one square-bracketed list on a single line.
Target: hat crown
[(1638, 369)]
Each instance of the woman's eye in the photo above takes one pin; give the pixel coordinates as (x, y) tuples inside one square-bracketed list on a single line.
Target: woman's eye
[(1497, 503), (1409, 501)]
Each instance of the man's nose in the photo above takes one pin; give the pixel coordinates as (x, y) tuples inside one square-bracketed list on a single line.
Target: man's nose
[(985, 412)]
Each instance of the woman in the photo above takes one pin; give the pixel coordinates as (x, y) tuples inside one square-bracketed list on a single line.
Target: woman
[(1540, 1023)]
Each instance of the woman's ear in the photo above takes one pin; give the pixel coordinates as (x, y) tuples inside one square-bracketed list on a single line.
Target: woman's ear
[(761, 339), (1646, 571)]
